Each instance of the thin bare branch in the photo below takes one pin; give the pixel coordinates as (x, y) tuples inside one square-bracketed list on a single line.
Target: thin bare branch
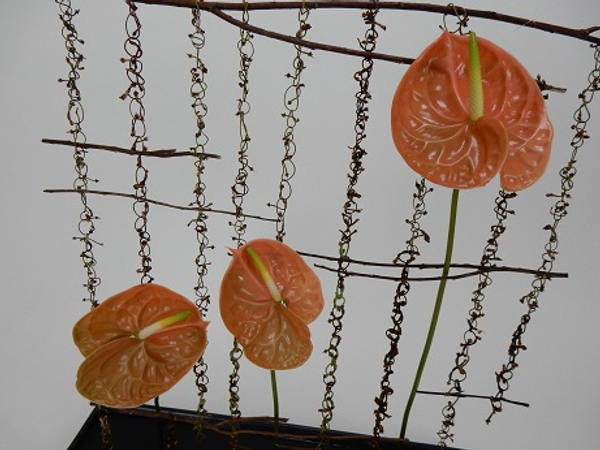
[(308, 44), (163, 153), (475, 269), (154, 202), (585, 34), (483, 397), (425, 266), (449, 277)]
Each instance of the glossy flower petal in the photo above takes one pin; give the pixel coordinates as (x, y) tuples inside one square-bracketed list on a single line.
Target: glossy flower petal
[(432, 130), (271, 328), (121, 370)]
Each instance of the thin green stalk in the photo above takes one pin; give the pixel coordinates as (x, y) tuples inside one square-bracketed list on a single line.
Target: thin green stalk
[(275, 407), (436, 309), (277, 298)]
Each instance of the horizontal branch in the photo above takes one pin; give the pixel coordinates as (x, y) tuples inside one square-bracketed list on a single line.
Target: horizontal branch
[(483, 397), (308, 44), (154, 202), (163, 153), (448, 277), (585, 34), (425, 266)]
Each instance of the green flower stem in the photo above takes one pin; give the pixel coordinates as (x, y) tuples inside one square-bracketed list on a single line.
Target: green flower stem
[(436, 310), (277, 298), (275, 404)]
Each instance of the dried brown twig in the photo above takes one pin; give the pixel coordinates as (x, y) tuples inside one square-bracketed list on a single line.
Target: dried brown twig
[(585, 34), (154, 202)]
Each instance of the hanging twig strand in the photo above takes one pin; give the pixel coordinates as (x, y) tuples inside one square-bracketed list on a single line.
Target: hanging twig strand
[(87, 218), (198, 92), (235, 355), (135, 93), (240, 190), (291, 102), (473, 334), (584, 34), (75, 117), (404, 259), (567, 174), (350, 209)]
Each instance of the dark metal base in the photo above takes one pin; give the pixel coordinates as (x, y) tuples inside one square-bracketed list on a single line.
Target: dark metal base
[(144, 429)]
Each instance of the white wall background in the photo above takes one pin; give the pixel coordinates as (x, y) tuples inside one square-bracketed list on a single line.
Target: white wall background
[(42, 275)]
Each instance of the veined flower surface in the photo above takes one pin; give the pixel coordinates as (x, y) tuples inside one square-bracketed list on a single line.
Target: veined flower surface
[(137, 344), (433, 131), (268, 297)]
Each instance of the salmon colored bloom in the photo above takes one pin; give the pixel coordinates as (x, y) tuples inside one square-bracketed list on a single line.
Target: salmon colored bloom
[(137, 345), (268, 297), (435, 132)]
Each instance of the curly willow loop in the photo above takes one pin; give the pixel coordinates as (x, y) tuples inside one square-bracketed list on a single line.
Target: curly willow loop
[(403, 259), (291, 103), (350, 209), (473, 334), (240, 188), (582, 117), (135, 93), (198, 92), (462, 19), (75, 117), (239, 191)]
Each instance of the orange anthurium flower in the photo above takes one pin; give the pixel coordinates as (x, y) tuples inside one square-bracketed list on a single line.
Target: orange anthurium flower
[(268, 296), (458, 122), (137, 345)]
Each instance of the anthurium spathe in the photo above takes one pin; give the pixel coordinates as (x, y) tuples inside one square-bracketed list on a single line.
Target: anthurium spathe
[(137, 344), (434, 129), (268, 297)]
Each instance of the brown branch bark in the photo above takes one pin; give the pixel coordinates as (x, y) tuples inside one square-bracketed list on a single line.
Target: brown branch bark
[(483, 397), (476, 269), (305, 43), (163, 153), (584, 34), (449, 277), (154, 202), (424, 266)]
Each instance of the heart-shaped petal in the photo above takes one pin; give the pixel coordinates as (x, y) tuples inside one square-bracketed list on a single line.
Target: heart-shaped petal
[(270, 323), (121, 368), (433, 132)]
